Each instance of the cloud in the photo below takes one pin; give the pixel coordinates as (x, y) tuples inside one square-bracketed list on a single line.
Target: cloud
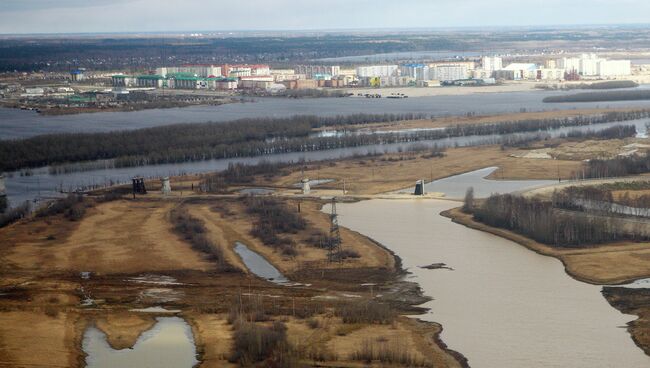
[(42, 16)]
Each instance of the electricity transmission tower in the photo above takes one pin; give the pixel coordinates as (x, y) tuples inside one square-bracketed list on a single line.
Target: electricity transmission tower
[(335, 235)]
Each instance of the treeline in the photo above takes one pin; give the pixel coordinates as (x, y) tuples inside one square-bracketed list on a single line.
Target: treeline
[(596, 85), (615, 132), (250, 137), (600, 198), (601, 96), (541, 221), (239, 173), (615, 167), (174, 143)]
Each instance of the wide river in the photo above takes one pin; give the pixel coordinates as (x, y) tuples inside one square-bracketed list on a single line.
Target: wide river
[(502, 305), (21, 123), (41, 184)]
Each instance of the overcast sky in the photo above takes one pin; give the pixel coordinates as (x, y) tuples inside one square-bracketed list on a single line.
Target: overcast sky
[(60, 16)]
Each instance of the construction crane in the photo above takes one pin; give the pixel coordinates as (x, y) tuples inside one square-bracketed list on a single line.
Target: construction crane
[(335, 235)]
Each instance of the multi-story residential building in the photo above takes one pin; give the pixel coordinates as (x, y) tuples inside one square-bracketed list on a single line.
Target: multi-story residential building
[(415, 71), (377, 71), (310, 70), (198, 70), (449, 72), (491, 63)]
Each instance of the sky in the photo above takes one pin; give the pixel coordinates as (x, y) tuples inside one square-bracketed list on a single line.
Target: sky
[(81, 16)]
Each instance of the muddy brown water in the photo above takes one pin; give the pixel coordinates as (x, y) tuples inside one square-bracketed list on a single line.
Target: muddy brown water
[(502, 305)]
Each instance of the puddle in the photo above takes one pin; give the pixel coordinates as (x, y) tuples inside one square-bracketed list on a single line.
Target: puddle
[(259, 265), (168, 344), (156, 309), (155, 279), (256, 191)]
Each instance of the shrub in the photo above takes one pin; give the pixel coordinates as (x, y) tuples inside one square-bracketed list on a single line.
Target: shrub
[(368, 312), (14, 214), (255, 343), (386, 352), (273, 218), (193, 230)]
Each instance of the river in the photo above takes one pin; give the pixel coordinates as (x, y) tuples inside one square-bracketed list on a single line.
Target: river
[(41, 185), (502, 305), (22, 123)]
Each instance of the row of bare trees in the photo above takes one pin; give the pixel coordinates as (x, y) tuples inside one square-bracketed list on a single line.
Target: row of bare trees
[(248, 137), (545, 223)]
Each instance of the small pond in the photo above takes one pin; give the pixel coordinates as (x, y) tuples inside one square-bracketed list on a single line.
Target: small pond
[(259, 266), (169, 343)]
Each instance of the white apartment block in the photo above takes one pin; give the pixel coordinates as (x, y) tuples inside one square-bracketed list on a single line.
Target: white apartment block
[(491, 63), (449, 72), (202, 71), (377, 71), (591, 65), (311, 70), (610, 68)]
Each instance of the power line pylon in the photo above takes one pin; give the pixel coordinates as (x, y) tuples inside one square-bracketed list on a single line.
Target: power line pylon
[(335, 235)]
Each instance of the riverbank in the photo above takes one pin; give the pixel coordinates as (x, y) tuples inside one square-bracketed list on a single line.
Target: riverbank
[(446, 90), (122, 258), (598, 265), (58, 111)]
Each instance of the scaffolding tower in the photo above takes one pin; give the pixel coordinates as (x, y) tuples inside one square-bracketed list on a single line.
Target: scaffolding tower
[(335, 235)]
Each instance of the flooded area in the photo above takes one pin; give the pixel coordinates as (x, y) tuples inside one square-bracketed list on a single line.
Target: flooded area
[(456, 186), (259, 266), (502, 305), (169, 343), (21, 124), (40, 184)]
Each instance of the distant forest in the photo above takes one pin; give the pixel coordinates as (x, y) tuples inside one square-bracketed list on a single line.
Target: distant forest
[(247, 137), (110, 52)]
